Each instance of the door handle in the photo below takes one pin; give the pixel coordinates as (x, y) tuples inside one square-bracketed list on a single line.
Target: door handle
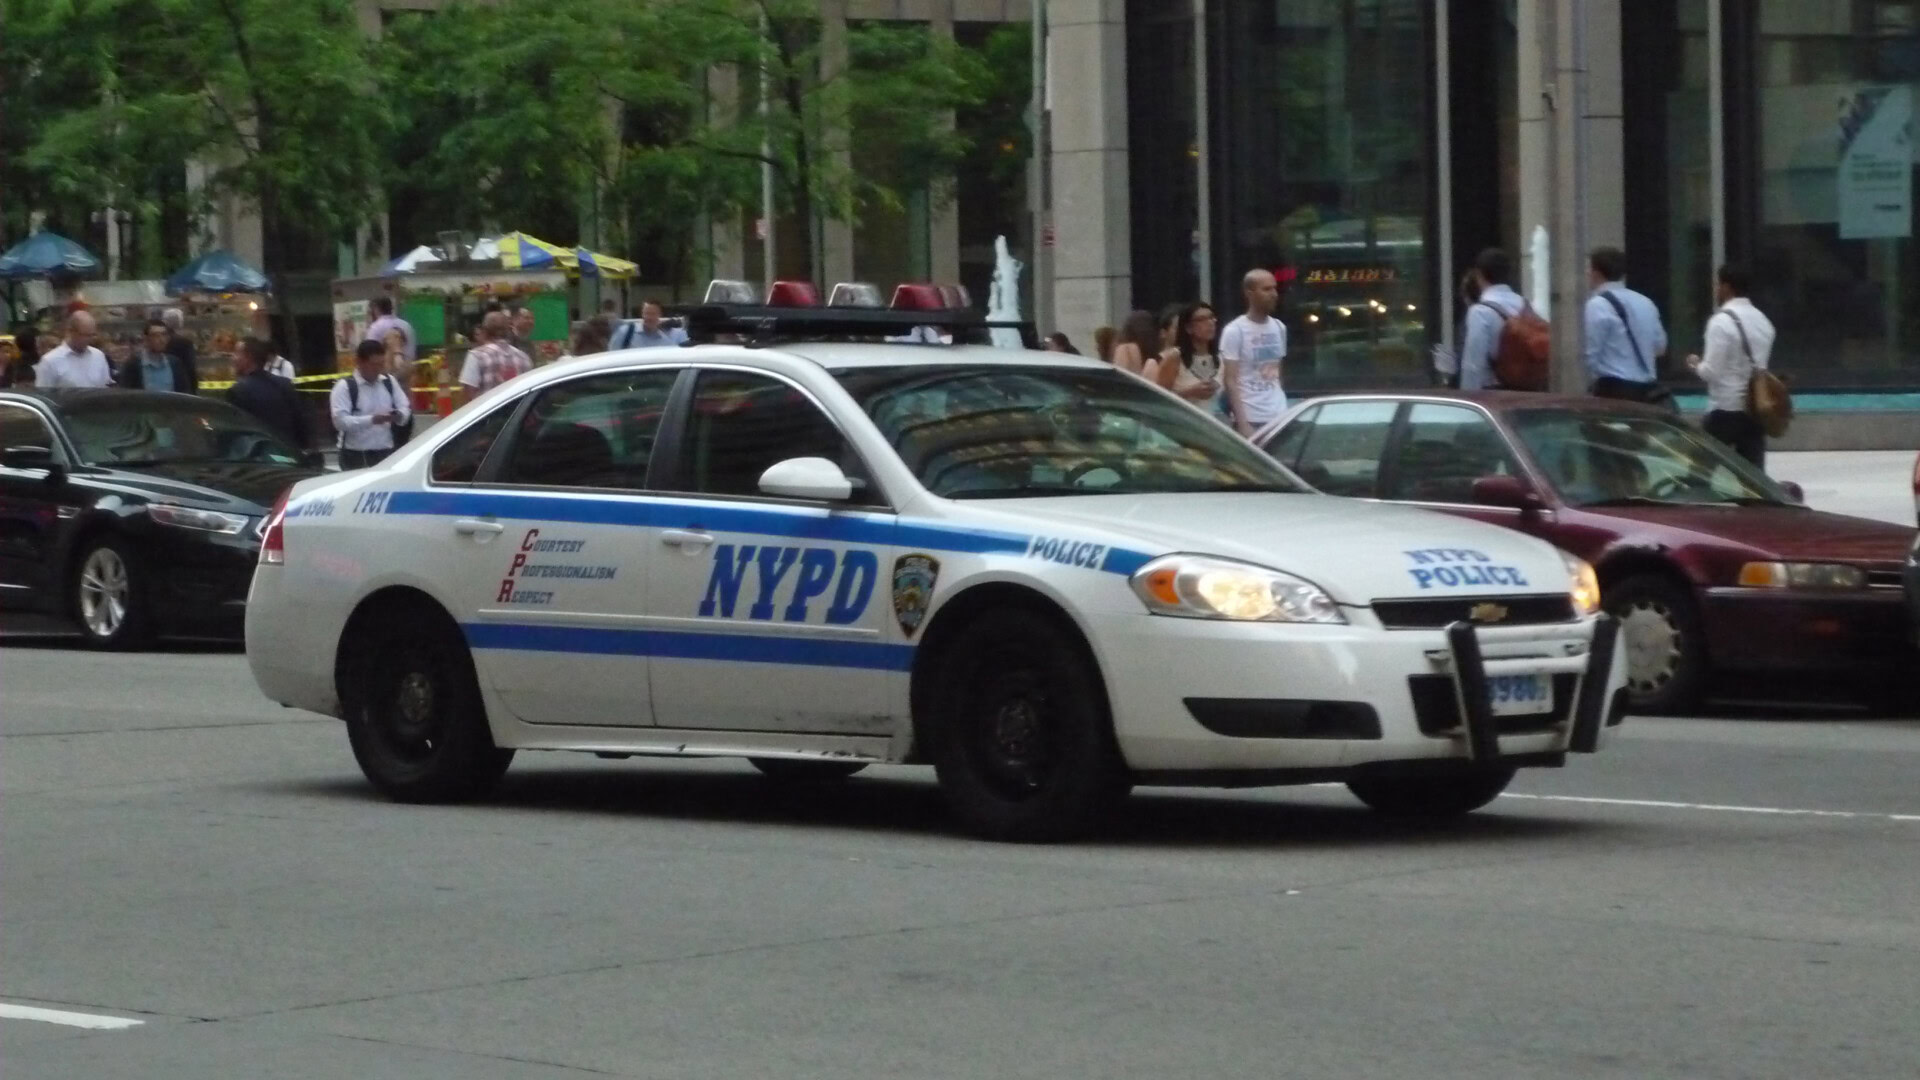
[(685, 538), (476, 527)]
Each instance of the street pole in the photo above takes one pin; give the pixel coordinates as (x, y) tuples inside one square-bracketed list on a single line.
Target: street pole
[(769, 265), (1565, 38), (1038, 203)]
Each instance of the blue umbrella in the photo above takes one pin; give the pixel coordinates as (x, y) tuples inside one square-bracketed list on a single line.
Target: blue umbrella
[(217, 271), (44, 254)]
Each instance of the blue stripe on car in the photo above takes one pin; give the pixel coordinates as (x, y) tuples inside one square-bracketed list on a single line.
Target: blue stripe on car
[(795, 524), (681, 645)]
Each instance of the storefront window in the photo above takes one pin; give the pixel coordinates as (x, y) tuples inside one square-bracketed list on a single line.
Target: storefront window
[(1832, 88), (1322, 120), (1668, 170)]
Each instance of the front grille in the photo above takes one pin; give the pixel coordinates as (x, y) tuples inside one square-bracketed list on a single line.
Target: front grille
[(1435, 614), (1437, 710)]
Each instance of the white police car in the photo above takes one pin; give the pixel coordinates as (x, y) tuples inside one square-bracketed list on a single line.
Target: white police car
[(1044, 577)]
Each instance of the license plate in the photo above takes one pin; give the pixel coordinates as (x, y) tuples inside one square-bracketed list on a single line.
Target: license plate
[(1519, 695)]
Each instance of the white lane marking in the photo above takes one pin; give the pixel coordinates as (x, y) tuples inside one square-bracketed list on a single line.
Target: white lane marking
[(1662, 804), (70, 1019)]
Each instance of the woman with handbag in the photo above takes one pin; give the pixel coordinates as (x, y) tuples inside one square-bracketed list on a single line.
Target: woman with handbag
[(1738, 350)]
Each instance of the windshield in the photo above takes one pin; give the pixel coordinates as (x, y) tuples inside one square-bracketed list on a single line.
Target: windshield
[(1595, 459), (132, 429), (1009, 432)]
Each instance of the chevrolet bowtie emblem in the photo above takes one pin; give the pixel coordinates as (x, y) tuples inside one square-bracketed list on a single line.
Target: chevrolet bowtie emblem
[(1487, 613)]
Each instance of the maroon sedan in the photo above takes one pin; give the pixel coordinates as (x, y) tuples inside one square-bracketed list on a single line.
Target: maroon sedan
[(1712, 568)]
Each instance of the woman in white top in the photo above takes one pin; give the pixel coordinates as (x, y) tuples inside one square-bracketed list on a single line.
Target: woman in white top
[(1191, 368)]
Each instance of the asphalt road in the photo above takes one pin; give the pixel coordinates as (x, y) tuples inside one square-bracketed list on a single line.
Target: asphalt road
[(1721, 897)]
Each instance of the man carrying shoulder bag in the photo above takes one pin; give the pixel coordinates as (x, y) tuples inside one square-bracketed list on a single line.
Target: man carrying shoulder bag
[(1745, 401)]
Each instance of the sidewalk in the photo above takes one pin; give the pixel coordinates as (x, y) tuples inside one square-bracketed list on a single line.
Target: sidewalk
[(1864, 483)]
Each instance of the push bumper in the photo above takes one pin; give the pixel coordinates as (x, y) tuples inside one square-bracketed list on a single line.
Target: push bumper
[(1470, 667)]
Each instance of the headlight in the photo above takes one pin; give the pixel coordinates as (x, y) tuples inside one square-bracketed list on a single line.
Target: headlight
[(186, 517), (1802, 575), (1583, 587), (1198, 587)]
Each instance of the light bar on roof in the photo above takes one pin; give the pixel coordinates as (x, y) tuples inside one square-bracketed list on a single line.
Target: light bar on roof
[(792, 294), (732, 292), (856, 294)]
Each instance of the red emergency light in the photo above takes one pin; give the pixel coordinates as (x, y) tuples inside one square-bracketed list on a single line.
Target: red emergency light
[(793, 294), (918, 297)]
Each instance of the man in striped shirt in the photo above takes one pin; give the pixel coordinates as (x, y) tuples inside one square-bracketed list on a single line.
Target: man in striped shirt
[(493, 361)]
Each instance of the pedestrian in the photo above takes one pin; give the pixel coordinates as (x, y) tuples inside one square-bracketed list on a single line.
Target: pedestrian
[(1494, 305), (386, 322), (1103, 343), (367, 405), (1625, 340), (269, 398), (1252, 348), (1739, 342), (74, 362), (1139, 340), (19, 369), (180, 345), (1446, 360), (592, 335), (155, 367), (494, 360), (1060, 343), (522, 337), (650, 333), (1192, 370)]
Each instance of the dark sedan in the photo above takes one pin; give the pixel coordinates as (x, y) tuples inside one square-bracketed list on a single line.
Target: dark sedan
[(1713, 568), (133, 515)]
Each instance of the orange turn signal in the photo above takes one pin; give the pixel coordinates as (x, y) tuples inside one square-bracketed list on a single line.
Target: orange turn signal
[(1160, 585)]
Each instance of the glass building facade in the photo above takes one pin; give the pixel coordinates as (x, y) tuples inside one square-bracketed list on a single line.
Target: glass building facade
[(1366, 149)]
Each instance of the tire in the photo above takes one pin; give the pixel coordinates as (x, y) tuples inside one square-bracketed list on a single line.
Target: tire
[(1666, 648), (796, 771), (1020, 734), (414, 713), (1432, 798), (108, 595)]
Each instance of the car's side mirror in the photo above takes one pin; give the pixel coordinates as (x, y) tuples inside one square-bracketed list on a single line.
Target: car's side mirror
[(813, 478), (1794, 492), (33, 457), (1507, 491)]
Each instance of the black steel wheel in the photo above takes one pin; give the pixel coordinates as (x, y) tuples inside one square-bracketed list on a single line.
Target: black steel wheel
[(1022, 740), (1432, 797), (414, 713)]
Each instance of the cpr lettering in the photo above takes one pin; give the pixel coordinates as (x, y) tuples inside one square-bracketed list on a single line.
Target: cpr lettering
[(855, 570)]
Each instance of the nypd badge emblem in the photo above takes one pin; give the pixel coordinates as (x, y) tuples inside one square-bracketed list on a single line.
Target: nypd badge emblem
[(913, 578)]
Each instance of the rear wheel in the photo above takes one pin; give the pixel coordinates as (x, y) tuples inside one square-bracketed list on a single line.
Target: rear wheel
[(1021, 738), (1432, 797), (795, 770), (1666, 650), (109, 596), (414, 714)]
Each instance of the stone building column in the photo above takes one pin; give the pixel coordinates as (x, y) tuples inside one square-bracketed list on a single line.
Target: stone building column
[(1093, 256)]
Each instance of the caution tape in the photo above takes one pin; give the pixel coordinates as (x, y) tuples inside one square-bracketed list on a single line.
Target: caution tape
[(308, 382)]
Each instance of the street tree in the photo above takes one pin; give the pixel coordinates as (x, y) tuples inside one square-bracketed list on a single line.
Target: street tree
[(644, 115), (271, 98)]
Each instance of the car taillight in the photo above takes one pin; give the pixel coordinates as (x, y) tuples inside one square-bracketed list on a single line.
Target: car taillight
[(273, 542)]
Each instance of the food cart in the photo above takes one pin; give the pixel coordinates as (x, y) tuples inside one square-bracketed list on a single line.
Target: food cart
[(442, 305), (216, 323)]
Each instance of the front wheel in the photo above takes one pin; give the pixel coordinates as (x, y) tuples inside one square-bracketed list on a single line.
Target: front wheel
[(1020, 734), (1666, 649), (414, 714), (1432, 797), (109, 596)]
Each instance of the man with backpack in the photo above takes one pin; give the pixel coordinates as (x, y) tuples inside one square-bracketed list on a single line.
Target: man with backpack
[(368, 407), (1743, 399), (1624, 337), (1506, 343)]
